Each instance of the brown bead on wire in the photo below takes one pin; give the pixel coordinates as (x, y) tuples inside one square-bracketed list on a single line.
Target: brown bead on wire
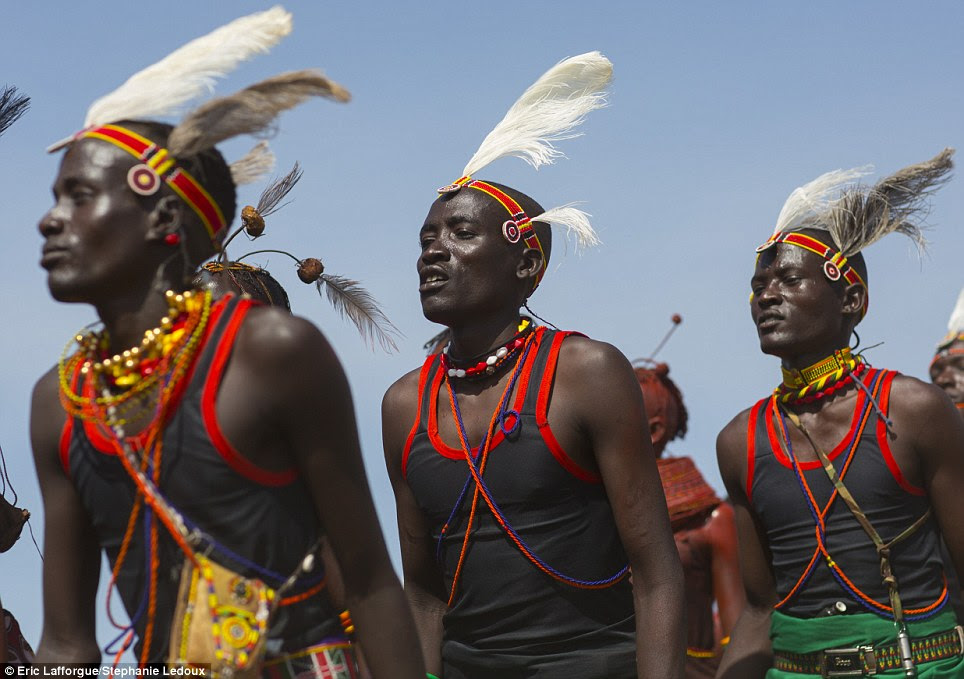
[(310, 270), (252, 221)]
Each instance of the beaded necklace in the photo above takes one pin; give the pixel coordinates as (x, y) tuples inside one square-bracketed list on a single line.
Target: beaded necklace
[(162, 360), (489, 362), (821, 379)]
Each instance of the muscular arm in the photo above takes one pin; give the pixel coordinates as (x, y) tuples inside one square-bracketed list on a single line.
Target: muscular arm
[(749, 654), (71, 566), (287, 362), (423, 577), (608, 403), (927, 422), (720, 532)]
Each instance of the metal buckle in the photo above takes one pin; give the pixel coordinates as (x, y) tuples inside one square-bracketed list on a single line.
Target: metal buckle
[(848, 662)]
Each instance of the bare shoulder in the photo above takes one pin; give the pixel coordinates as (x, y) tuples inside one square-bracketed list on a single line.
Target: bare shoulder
[(914, 398), (47, 416), (591, 361), (275, 340), (399, 408), (731, 450)]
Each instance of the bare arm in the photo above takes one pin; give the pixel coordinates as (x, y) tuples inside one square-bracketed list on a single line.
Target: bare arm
[(936, 433), (749, 654), (720, 531), (423, 576), (291, 365), (71, 566), (620, 441)]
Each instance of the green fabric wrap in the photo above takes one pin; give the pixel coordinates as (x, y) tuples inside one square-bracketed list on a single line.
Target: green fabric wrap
[(806, 635)]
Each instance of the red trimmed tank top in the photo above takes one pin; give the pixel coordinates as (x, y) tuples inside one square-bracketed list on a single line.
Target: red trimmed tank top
[(508, 618), (806, 585), (214, 487)]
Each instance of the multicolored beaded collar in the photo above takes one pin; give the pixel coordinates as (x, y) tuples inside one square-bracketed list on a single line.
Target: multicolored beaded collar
[(488, 363), (156, 165), (835, 265), (819, 380), (517, 227)]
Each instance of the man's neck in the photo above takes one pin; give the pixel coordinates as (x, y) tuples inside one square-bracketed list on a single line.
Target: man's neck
[(807, 359), (477, 337), (127, 317)]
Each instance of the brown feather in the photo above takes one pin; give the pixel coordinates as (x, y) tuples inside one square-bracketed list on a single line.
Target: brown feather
[(353, 301), (252, 110)]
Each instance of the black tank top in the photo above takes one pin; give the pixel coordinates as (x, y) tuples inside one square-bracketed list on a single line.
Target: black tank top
[(264, 517), (805, 583), (508, 618)]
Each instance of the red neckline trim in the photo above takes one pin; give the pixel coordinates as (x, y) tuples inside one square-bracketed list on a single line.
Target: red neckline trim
[(884, 442), (457, 453), (839, 448), (95, 432), (422, 379), (212, 382)]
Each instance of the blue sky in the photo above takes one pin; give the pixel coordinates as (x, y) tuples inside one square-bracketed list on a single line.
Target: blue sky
[(718, 111)]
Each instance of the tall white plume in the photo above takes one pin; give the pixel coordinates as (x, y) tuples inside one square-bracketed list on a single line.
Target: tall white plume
[(191, 70), (548, 111), (576, 222), (804, 206), (956, 323)]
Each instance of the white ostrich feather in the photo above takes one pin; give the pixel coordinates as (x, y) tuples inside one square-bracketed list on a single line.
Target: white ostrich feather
[(956, 323), (805, 206), (192, 69), (548, 111), (576, 222), (256, 163)]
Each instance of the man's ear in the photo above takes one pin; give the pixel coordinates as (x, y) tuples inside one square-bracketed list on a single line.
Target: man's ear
[(854, 299), (167, 217), (530, 264)]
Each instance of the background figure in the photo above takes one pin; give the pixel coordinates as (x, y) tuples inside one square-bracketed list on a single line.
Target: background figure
[(947, 366), (13, 647), (703, 527)]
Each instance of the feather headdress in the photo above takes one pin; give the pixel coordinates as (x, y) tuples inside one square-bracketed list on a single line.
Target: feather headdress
[(855, 216), (181, 77), (347, 296), (955, 325), (550, 110), (12, 106), (190, 71)]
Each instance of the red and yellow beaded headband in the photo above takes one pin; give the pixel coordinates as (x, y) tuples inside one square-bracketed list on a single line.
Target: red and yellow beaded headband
[(517, 227), (157, 165), (835, 265)]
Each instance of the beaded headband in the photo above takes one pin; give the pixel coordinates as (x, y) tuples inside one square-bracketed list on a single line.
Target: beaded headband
[(835, 265), (517, 227), (955, 329), (157, 165)]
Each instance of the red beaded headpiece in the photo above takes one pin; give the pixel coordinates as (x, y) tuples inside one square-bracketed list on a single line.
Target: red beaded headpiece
[(157, 165), (517, 227)]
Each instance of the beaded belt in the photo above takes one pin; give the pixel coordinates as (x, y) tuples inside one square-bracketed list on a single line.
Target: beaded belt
[(861, 661)]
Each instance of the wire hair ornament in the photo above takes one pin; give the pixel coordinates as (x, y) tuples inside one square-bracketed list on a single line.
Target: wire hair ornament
[(346, 295)]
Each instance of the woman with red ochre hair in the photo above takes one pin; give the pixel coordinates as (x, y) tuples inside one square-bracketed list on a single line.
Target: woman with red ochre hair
[(703, 527)]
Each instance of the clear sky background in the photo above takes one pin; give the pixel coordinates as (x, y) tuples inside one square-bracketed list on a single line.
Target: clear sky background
[(718, 111)]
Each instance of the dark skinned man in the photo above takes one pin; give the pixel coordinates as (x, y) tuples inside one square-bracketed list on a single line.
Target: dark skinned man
[(947, 366), (519, 456), (703, 527), (233, 419), (837, 460)]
